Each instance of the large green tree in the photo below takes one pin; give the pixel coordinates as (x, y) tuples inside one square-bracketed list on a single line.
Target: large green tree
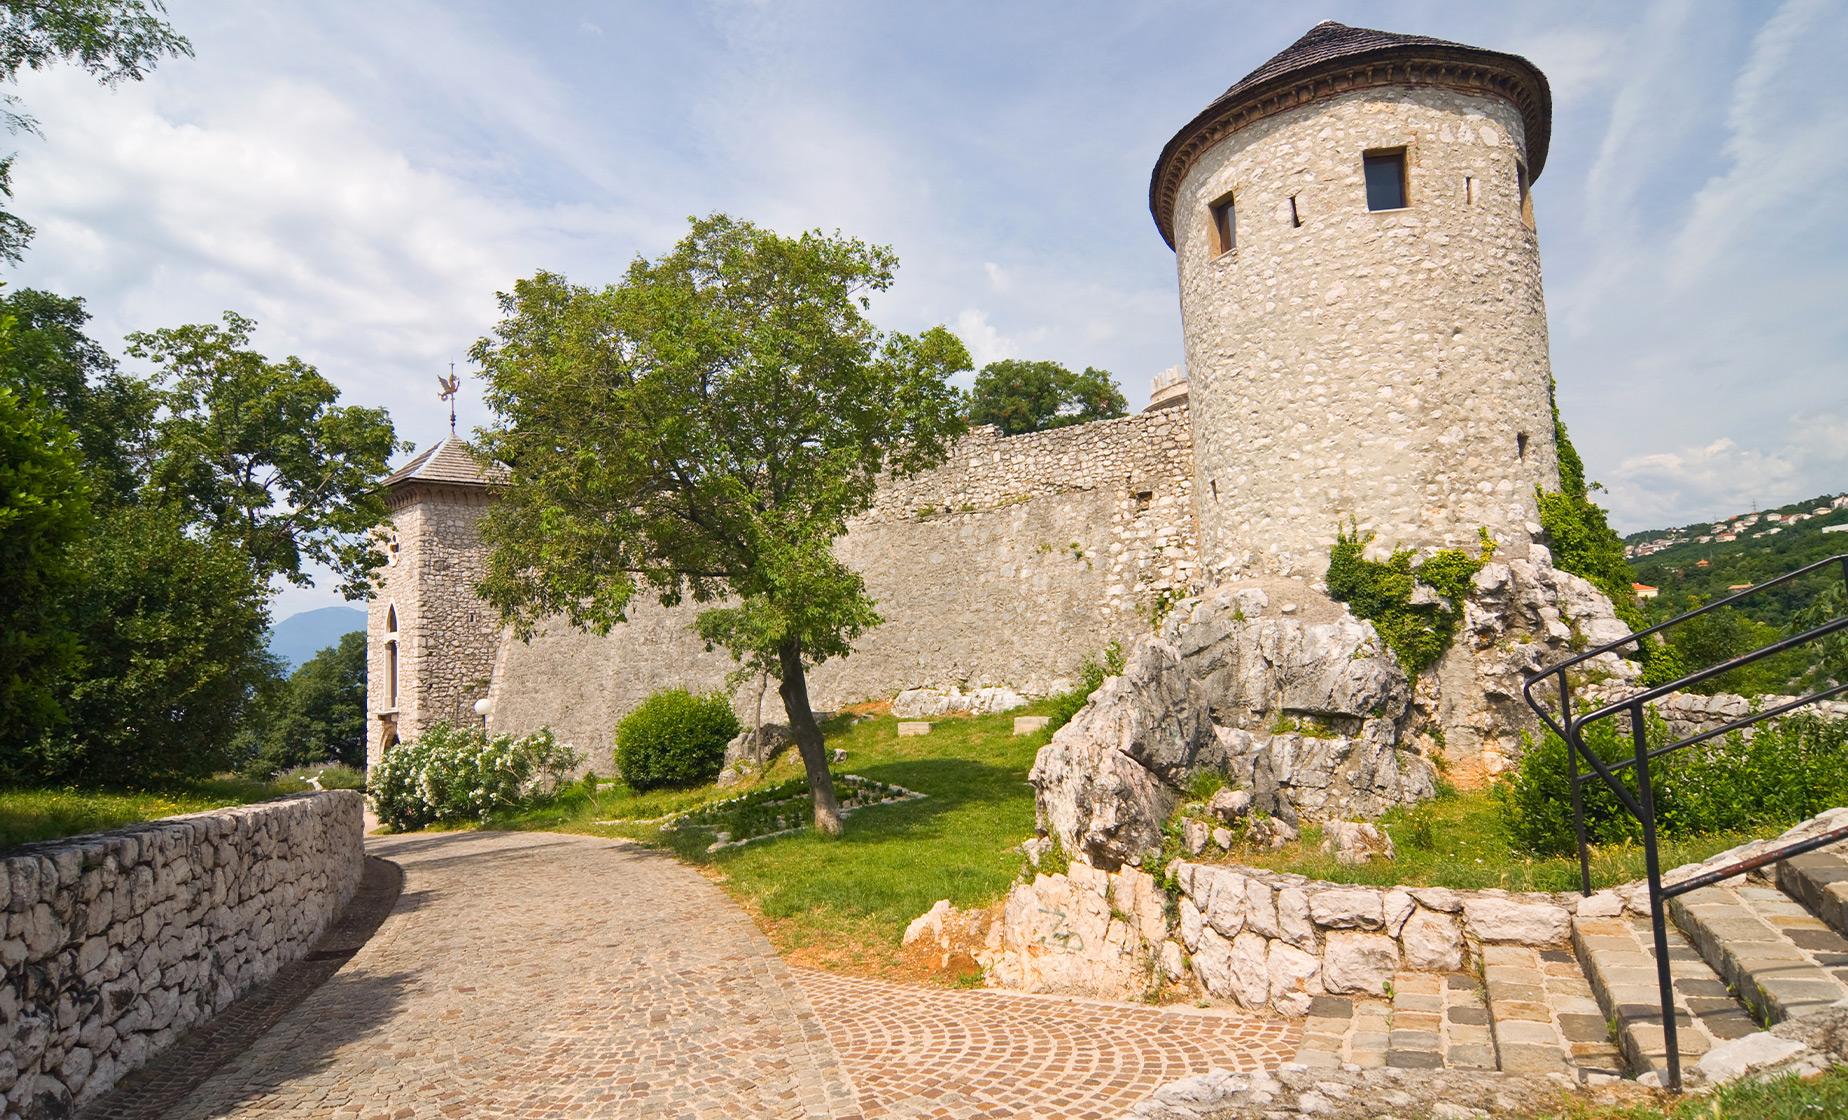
[(704, 430), (173, 626), (112, 40), (319, 713), (259, 453), (47, 353), (44, 513), (1021, 396)]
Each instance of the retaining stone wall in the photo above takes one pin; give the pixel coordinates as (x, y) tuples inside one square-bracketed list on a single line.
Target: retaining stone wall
[(1259, 938), (115, 943)]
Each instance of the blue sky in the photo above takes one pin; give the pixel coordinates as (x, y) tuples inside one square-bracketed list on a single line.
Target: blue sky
[(362, 178)]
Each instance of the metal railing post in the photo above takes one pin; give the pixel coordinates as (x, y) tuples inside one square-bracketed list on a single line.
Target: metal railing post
[(1573, 745), (1658, 907)]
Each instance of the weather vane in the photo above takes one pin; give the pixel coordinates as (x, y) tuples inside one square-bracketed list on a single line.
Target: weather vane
[(450, 385)]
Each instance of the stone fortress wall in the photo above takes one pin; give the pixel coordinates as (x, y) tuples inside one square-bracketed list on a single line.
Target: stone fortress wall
[(1386, 366), (1008, 565), (115, 943)]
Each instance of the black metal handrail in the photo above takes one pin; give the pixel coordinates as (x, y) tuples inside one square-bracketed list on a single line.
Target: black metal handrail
[(1570, 727)]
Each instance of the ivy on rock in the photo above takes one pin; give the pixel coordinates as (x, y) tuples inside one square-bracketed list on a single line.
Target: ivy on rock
[(1417, 626)]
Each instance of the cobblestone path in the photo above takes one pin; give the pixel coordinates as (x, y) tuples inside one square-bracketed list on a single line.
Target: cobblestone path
[(540, 975)]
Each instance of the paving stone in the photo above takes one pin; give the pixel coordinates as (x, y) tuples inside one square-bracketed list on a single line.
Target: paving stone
[(1584, 1028), (1414, 1059), (1467, 1014), (534, 975)]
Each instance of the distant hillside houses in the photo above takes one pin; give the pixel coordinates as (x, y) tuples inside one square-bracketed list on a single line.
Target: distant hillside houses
[(1755, 524)]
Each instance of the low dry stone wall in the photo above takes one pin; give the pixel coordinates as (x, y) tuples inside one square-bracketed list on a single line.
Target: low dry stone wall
[(1258, 938), (115, 943)]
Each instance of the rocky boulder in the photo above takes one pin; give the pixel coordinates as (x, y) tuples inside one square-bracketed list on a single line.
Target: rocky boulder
[(929, 703), (1301, 715), (1520, 617), (752, 751)]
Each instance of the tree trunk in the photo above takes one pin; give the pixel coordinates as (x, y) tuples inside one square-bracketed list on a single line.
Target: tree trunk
[(794, 689)]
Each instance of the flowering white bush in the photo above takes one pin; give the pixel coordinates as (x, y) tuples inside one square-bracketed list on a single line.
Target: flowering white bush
[(455, 774)]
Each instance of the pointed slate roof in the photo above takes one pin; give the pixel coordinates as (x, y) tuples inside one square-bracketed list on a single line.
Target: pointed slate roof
[(449, 461), (1332, 57)]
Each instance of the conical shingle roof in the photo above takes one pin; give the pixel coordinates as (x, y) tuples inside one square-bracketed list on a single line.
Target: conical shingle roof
[(448, 461), (1363, 56)]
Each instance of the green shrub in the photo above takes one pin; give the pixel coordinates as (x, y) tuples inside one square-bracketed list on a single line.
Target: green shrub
[(674, 738), (1777, 776), (1383, 591), (457, 774), (1090, 678)]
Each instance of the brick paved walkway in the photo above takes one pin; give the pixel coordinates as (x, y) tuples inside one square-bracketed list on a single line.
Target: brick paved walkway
[(539, 975)]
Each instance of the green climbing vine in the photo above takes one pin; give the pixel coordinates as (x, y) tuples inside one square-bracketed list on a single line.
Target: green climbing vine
[(1385, 593), (1582, 540)]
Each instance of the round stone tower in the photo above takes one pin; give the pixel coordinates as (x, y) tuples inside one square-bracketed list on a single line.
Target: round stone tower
[(1360, 295)]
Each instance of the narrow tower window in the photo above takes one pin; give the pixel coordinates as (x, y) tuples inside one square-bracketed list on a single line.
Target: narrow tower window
[(1385, 173), (1520, 446), (1526, 198), (1469, 190), (1225, 226), (1296, 219), (391, 656)]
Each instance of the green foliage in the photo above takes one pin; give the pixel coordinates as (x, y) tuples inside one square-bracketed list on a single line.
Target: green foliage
[(173, 632), (1722, 634), (318, 715), (35, 812), (1781, 773), (111, 40), (46, 353), (451, 774), (44, 512), (258, 452), (1019, 396), (1383, 592), (1581, 538), (1091, 676), (674, 738), (704, 430)]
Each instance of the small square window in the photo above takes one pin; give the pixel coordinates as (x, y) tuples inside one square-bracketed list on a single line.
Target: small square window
[(1225, 226), (1385, 173)]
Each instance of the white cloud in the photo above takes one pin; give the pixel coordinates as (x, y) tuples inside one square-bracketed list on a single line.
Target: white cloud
[(985, 343)]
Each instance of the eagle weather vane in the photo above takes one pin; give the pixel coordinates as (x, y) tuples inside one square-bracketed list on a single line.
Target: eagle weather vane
[(450, 386)]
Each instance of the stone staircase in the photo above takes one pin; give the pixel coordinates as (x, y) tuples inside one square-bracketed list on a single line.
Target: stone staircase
[(1743, 956)]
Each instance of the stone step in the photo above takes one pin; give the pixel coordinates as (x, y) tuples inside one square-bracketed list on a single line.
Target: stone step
[(1618, 957), (1542, 1014), (1819, 880), (1780, 959)]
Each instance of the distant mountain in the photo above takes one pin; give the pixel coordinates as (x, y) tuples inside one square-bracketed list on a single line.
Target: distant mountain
[(300, 636)]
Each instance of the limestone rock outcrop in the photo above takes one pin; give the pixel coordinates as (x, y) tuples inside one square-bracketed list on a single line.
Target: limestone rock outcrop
[(1520, 617), (752, 751), (1302, 714)]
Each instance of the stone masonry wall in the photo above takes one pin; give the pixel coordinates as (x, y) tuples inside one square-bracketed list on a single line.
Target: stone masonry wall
[(1386, 366), (115, 943), (1008, 565), (447, 637)]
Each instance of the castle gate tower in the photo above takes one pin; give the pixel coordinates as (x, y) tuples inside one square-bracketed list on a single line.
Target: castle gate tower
[(1360, 296), (430, 640)]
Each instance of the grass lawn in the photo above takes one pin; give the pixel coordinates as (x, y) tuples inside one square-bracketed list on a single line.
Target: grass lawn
[(1785, 1098), (47, 813), (845, 902), (1459, 841)]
